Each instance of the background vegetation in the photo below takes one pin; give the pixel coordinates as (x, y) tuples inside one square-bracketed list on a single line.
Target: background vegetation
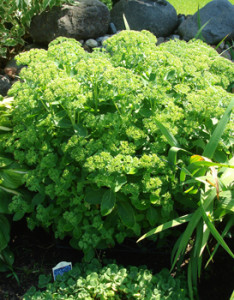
[(189, 7)]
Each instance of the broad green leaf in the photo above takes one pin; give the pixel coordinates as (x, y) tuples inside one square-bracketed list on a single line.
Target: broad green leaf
[(170, 224), (89, 255), (170, 138), (94, 196), (38, 199), (108, 202), (4, 232), (18, 215), (4, 162), (5, 199), (215, 138), (11, 179), (152, 215), (80, 130), (126, 214), (119, 182)]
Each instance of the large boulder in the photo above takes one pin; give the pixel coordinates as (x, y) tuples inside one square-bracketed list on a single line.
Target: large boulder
[(220, 17), (83, 20), (157, 16)]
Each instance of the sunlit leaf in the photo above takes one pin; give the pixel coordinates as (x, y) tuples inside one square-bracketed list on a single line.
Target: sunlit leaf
[(108, 202)]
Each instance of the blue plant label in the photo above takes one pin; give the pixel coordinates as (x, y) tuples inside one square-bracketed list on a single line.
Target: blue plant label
[(61, 268)]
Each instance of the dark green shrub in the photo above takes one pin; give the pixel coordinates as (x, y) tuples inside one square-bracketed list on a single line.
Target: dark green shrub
[(86, 125), (111, 282)]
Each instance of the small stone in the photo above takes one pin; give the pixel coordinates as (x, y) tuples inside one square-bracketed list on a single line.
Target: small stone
[(105, 38), (160, 40), (101, 39), (112, 29), (226, 54), (174, 37), (222, 46), (91, 43)]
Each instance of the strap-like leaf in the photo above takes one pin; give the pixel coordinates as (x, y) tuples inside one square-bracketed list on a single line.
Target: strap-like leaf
[(225, 231), (215, 138), (127, 27), (214, 232), (170, 224), (169, 136), (196, 217)]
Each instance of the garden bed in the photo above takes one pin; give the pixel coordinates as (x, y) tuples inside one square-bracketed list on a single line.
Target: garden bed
[(38, 252)]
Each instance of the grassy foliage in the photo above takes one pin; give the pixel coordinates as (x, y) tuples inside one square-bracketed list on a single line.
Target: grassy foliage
[(215, 206)]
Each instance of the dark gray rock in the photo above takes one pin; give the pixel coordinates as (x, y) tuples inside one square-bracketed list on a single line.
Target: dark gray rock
[(220, 17), (83, 20), (157, 16), (5, 85)]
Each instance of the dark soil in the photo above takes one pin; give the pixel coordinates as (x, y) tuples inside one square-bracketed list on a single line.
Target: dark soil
[(38, 252)]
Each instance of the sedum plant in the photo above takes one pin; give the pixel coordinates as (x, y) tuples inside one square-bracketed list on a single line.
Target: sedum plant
[(85, 124), (92, 281)]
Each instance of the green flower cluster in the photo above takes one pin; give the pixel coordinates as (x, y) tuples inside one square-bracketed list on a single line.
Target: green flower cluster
[(86, 126), (111, 282)]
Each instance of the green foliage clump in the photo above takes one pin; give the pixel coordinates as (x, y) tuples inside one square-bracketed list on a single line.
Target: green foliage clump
[(86, 126), (108, 3), (111, 282)]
